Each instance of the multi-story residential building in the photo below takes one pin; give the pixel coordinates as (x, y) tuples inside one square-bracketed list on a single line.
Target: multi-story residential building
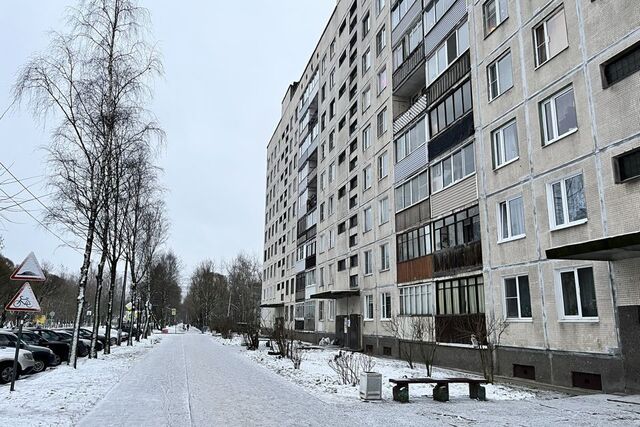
[(329, 238), (558, 130), (505, 137)]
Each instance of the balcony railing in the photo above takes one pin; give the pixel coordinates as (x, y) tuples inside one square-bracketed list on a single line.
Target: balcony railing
[(416, 269), (408, 66), (457, 259), (407, 116), (459, 69), (452, 136)]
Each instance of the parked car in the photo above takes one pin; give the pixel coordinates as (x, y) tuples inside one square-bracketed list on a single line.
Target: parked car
[(82, 349), (85, 341), (86, 334), (25, 363), (42, 356), (60, 349)]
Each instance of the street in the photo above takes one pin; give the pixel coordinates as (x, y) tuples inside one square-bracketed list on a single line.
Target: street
[(193, 380)]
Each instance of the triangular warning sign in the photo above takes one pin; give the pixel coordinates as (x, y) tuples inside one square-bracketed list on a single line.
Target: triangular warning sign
[(25, 300), (29, 270)]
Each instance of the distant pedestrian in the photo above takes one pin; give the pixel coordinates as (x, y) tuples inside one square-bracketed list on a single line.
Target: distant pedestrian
[(188, 327)]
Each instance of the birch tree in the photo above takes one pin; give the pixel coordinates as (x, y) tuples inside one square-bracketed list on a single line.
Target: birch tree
[(93, 80)]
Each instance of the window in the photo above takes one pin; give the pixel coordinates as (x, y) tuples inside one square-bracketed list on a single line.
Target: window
[(353, 261), (385, 305), (416, 300), (381, 40), (409, 141), (368, 307), (446, 54), (382, 80), (332, 49), (495, 12), (567, 204), (384, 257), (366, 98), (382, 122), (550, 37), (368, 262), (399, 11), (621, 66), (383, 165), (367, 177), (627, 166), (368, 219), (435, 11), (342, 265), (379, 6), (384, 210), (414, 244), (511, 217), (578, 293), (366, 61), (407, 45), (412, 191), (499, 76), (330, 206), (460, 296), (558, 116), (321, 311), (332, 310), (452, 108), (332, 79), (332, 171), (460, 228), (366, 138), (453, 168), (517, 298), (366, 24), (504, 144), (332, 239)]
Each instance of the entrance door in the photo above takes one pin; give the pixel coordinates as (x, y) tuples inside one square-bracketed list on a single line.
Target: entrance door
[(354, 332)]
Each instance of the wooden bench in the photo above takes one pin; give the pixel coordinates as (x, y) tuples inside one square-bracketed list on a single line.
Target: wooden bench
[(441, 390)]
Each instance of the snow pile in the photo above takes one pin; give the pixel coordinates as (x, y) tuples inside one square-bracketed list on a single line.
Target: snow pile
[(61, 396), (316, 375)]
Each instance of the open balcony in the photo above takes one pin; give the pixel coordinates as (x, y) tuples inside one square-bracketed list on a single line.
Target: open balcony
[(410, 75), (457, 259)]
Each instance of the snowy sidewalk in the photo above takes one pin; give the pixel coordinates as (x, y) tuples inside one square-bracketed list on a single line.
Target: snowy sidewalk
[(194, 380)]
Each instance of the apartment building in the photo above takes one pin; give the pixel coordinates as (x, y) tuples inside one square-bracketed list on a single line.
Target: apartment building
[(558, 131), (465, 163), (329, 241)]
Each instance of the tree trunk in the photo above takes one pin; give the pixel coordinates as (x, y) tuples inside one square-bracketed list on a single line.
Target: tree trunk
[(82, 285), (96, 306), (122, 300)]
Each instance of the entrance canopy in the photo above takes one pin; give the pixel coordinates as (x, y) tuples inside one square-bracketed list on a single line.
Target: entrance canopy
[(336, 294), (272, 305), (613, 248)]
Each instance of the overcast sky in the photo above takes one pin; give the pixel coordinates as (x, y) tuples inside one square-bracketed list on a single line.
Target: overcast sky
[(227, 66)]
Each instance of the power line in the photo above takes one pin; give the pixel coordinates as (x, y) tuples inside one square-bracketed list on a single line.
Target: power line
[(39, 222)]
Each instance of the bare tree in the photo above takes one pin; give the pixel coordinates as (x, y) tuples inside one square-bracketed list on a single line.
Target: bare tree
[(485, 333), (94, 79)]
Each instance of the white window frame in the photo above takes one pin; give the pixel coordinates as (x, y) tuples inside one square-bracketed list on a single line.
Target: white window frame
[(367, 219), (385, 261), (547, 38), (449, 158), (565, 204), (380, 6), (501, 87), (501, 219), (383, 214), (520, 318), (383, 165), (382, 81), (422, 295), (366, 137), (368, 262), (368, 304), (381, 40), (367, 175), (332, 310), (366, 61), (383, 305), (332, 239), (560, 294), (366, 98), (498, 143), (554, 114), (498, 6)]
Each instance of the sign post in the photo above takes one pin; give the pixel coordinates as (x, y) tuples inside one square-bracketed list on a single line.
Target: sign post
[(24, 301)]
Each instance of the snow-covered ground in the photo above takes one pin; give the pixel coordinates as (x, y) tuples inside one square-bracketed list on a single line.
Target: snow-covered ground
[(61, 396), (316, 375)]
